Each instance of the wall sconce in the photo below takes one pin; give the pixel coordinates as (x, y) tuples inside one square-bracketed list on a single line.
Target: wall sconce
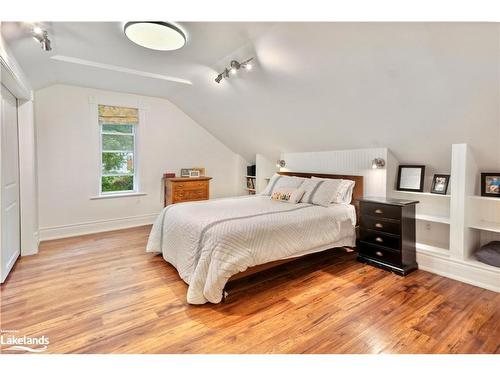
[(378, 163), (281, 163)]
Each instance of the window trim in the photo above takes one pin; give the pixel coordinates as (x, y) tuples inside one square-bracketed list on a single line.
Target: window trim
[(134, 152)]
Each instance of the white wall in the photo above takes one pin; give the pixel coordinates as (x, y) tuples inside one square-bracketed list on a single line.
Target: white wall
[(68, 159), (350, 162)]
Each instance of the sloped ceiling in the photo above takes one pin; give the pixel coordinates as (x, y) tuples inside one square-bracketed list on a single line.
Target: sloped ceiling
[(413, 87)]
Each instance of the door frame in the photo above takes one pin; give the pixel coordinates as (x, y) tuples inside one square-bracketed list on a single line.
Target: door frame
[(14, 79)]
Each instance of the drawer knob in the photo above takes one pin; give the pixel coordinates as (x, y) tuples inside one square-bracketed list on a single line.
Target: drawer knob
[(379, 239), (378, 225), (379, 253), (379, 211)]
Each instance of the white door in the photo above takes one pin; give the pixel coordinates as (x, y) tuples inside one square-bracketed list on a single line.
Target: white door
[(10, 236)]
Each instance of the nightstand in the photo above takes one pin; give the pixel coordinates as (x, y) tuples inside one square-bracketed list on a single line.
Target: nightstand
[(387, 234)]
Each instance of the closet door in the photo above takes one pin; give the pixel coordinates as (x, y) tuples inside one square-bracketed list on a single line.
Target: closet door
[(10, 221)]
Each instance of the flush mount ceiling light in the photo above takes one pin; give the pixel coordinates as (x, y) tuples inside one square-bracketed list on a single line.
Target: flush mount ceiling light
[(157, 35), (233, 69)]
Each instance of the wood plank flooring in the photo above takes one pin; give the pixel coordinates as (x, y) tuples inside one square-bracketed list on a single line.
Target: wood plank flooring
[(102, 293)]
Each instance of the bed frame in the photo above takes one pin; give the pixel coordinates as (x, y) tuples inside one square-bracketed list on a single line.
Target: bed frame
[(356, 194)]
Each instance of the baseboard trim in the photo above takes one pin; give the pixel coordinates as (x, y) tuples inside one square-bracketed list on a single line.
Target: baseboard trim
[(71, 230), (459, 270)]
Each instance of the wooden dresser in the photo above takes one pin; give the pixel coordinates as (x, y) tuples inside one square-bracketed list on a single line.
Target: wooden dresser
[(186, 189), (387, 234)]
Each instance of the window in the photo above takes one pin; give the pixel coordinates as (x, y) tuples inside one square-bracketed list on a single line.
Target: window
[(118, 153)]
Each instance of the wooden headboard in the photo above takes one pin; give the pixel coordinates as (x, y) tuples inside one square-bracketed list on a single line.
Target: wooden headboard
[(357, 193)]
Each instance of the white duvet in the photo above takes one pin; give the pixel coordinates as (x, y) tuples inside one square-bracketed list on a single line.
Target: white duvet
[(209, 241)]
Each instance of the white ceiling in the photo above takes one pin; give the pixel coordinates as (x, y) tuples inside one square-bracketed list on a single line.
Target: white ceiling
[(413, 87)]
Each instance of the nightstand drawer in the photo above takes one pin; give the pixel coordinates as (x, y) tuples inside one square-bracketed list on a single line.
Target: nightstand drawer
[(380, 239), (381, 210), (379, 253), (380, 224)]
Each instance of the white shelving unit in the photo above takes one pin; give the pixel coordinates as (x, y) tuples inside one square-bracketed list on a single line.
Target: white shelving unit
[(253, 179), (264, 169), (450, 228)]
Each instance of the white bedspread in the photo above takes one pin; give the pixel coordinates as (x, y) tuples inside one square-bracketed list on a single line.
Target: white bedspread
[(209, 241)]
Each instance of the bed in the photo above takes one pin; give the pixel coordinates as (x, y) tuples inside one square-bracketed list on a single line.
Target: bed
[(213, 242)]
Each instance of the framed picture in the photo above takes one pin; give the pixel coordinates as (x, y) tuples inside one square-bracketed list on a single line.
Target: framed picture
[(202, 170), (411, 178), (194, 173), (185, 172), (490, 185), (440, 183)]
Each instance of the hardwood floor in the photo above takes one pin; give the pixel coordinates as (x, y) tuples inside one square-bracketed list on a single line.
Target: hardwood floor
[(103, 294)]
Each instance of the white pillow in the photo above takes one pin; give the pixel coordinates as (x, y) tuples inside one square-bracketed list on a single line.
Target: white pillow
[(288, 194), (278, 181), (320, 191), (344, 193)]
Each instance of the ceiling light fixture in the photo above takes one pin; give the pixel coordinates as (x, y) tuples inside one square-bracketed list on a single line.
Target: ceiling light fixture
[(42, 37), (157, 35), (234, 66)]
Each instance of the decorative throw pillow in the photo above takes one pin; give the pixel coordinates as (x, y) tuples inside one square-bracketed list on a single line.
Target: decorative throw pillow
[(288, 194), (279, 181), (320, 191)]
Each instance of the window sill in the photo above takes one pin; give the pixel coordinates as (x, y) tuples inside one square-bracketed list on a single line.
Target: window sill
[(117, 195)]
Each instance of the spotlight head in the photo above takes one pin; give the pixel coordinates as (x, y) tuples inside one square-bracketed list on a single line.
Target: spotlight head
[(219, 78), (37, 30), (46, 45), (235, 65), (248, 66), (233, 71)]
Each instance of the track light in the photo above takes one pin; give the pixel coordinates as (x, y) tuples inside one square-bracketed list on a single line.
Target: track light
[(42, 37), (234, 66)]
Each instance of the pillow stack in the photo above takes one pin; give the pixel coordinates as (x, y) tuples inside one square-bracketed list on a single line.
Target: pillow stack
[(314, 190)]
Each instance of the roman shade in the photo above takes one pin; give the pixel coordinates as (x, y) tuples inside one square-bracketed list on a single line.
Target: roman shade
[(111, 115)]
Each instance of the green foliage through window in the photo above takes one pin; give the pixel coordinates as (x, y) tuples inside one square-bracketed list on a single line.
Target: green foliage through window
[(117, 167), (117, 183)]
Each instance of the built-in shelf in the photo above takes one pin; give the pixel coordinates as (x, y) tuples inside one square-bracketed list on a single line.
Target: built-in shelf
[(250, 176), (474, 262), (486, 225), (423, 193), (479, 197), (250, 189), (434, 249), (433, 218)]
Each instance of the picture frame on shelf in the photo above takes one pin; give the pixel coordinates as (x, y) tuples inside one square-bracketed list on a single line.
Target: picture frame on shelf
[(440, 184), (490, 184), (411, 178), (185, 172)]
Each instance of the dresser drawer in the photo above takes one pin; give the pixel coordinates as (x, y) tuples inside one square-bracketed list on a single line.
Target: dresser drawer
[(189, 195), (381, 210), (379, 253), (380, 224), (380, 238), (189, 185)]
